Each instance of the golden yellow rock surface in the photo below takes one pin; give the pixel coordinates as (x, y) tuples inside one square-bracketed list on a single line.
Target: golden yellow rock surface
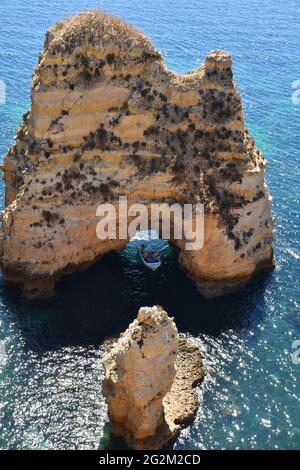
[(108, 118)]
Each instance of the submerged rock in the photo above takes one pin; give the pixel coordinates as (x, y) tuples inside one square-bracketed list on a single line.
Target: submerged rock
[(150, 375)]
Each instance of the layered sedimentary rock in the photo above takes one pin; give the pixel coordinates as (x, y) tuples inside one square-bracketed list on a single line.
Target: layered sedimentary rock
[(107, 118), (150, 375)]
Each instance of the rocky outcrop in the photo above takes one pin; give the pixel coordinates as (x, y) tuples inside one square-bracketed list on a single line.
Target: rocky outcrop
[(150, 375), (107, 119)]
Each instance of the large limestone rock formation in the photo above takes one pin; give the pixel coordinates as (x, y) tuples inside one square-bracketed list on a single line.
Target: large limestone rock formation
[(107, 118), (150, 373)]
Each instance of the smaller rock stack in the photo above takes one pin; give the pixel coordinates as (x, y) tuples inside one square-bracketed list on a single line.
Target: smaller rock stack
[(149, 375)]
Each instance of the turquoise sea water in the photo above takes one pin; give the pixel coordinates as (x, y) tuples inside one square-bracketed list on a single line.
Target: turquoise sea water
[(51, 378)]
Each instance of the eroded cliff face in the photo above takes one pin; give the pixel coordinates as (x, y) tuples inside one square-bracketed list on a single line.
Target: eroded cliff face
[(108, 119), (150, 375)]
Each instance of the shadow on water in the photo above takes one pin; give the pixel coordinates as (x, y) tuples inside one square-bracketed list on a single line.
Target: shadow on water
[(103, 300), (111, 442)]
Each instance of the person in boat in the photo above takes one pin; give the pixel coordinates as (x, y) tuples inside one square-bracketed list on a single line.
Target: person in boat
[(149, 250)]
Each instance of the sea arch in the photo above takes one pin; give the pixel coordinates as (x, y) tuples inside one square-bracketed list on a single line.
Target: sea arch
[(108, 119)]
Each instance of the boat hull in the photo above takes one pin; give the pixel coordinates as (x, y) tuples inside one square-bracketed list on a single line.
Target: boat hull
[(152, 266)]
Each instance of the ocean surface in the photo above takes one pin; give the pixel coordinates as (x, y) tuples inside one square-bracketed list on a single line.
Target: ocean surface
[(50, 378)]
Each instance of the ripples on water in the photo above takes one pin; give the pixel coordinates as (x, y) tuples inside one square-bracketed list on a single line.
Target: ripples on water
[(50, 382)]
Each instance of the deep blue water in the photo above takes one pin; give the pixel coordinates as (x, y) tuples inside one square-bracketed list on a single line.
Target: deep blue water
[(50, 382)]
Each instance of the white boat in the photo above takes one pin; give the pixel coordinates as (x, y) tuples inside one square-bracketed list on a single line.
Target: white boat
[(151, 262)]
